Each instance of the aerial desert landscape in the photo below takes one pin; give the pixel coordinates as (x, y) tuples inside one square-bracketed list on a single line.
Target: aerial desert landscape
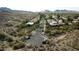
[(39, 31)]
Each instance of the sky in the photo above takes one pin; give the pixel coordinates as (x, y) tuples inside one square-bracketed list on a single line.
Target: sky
[(40, 5)]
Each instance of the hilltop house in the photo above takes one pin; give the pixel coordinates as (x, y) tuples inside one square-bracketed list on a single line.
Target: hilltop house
[(29, 23), (34, 20), (52, 22)]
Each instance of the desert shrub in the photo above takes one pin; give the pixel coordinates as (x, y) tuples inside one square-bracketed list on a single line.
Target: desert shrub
[(75, 44), (25, 21), (13, 33), (1, 48), (75, 16), (69, 19), (2, 37), (21, 26), (50, 17), (8, 24), (58, 30), (76, 25), (5, 38), (9, 40), (64, 28), (21, 33), (56, 33), (18, 44), (58, 16), (45, 42)]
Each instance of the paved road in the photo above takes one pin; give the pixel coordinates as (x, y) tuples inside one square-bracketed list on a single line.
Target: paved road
[(36, 38)]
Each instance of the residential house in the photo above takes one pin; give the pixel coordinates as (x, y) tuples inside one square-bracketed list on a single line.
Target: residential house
[(31, 22), (52, 22)]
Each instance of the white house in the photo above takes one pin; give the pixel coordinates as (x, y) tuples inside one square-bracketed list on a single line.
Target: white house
[(29, 23), (52, 22), (32, 21)]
